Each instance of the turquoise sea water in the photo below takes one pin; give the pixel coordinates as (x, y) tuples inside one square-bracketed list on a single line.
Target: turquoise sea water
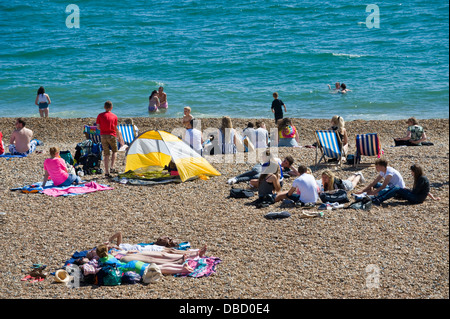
[(226, 57)]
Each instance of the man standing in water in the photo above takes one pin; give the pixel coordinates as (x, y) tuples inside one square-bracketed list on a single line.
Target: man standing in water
[(162, 99), (276, 107)]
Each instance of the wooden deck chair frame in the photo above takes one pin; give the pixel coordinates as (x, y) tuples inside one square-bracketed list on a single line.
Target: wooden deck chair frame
[(367, 145), (330, 148)]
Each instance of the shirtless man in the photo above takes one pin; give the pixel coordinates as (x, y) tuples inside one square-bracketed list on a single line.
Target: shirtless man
[(20, 141), (187, 118), (162, 99)]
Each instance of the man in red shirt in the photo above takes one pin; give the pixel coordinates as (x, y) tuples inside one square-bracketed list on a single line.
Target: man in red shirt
[(109, 133)]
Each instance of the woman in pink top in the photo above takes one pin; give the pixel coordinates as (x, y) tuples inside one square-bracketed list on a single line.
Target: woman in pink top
[(2, 148), (55, 168)]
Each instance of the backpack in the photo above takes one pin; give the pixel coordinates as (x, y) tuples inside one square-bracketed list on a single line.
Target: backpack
[(91, 163), (241, 193), (364, 204), (340, 196)]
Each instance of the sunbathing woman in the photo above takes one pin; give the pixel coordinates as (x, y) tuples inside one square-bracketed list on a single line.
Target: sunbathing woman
[(330, 182), (144, 269)]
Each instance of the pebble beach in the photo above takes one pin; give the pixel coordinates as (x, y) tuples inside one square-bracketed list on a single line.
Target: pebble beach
[(332, 257)]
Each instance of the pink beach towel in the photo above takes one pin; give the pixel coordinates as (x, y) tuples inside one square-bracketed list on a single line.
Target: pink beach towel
[(75, 190), (203, 267)]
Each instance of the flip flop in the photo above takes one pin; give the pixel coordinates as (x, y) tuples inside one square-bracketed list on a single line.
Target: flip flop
[(26, 278)]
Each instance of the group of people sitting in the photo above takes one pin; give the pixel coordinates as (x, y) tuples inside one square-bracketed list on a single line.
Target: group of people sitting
[(268, 178)]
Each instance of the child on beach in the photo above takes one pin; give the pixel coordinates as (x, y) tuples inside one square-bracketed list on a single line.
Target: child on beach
[(277, 105), (43, 101)]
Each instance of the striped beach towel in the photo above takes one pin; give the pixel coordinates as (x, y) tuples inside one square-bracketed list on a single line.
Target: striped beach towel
[(203, 267)]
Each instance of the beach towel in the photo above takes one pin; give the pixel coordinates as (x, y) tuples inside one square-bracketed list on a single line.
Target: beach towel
[(203, 267), (75, 189), (56, 191), (9, 155)]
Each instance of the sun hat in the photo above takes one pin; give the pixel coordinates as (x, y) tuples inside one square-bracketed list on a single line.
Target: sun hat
[(62, 276)]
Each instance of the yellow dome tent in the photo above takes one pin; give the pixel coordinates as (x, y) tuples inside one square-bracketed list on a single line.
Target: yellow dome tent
[(158, 148)]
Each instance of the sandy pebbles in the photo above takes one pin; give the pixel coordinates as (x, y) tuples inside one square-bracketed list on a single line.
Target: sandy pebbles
[(332, 257)]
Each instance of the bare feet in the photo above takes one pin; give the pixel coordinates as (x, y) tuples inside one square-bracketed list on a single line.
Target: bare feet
[(188, 268), (202, 251)]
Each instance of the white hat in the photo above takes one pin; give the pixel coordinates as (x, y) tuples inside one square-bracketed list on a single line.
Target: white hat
[(62, 276)]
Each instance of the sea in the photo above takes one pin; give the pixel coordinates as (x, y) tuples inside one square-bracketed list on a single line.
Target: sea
[(226, 57)]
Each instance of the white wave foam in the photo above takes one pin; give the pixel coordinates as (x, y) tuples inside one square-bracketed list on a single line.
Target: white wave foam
[(348, 55)]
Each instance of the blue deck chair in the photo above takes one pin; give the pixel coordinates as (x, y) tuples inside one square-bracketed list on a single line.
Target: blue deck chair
[(93, 133), (330, 145), (367, 145), (128, 133)]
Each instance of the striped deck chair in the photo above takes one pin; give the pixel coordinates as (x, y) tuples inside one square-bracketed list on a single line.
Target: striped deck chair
[(92, 133), (128, 133), (330, 145), (367, 145)]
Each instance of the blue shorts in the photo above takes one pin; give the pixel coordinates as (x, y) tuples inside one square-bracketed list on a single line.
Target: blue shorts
[(43, 105), (70, 180)]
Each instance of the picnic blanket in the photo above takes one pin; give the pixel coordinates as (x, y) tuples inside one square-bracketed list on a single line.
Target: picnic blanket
[(56, 191), (203, 267)]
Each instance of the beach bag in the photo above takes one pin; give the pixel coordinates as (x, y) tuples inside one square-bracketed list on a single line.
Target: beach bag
[(92, 164), (340, 196), (363, 204), (130, 277), (67, 156), (241, 193), (109, 275), (350, 159)]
